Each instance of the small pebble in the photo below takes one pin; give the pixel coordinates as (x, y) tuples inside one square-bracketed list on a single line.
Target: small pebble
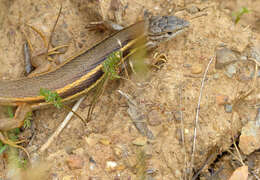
[(68, 178), (196, 69), (75, 162), (132, 161), (193, 9), (154, 118), (140, 141), (221, 99), (91, 141), (120, 167), (224, 57), (187, 65), (118, 152), (178, 173), (92, 166), (151, 171), (186, 131), (177, 116), (216, 76), (54, 176), (230, 70), (91, 160), (228, 108), (104, 141), (69, 149), (243, 77), (243, 58), (148, 150), (111, 166), (249, 139), (156, 8)]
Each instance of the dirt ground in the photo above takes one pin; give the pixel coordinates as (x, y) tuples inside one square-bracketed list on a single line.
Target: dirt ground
[(110, 147)]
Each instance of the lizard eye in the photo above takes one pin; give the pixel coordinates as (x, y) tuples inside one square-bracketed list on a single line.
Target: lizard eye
[(169, 33)]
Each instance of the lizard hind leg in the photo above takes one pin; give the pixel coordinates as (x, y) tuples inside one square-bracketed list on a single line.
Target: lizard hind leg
[(7, 124), (13, 144), (43, 64)]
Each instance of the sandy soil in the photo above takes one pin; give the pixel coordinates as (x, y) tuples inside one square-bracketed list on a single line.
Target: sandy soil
[(106, 148)]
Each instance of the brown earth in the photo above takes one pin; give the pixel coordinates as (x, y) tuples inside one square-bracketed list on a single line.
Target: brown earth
[(105, 149)]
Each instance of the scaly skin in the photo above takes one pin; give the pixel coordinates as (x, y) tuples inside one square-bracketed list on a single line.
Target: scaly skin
[(83, 71)]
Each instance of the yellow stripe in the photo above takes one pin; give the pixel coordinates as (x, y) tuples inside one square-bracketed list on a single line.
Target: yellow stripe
[(10, 101), (14, 101), (69, 98)]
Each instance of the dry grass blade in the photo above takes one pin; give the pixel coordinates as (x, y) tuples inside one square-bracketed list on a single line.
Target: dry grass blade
[(207, 162), (182, 133), (197, 117), (61, 127), (52, 31), (238, 152)]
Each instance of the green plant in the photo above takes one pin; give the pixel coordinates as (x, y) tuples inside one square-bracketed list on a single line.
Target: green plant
[(27, 121), (52, 97), (237, 15), (10, 111)]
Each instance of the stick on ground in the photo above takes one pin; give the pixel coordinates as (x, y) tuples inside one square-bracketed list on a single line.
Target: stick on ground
[(197, 116), (61, 127)]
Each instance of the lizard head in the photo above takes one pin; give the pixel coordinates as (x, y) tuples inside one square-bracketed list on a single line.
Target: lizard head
[(163, 28)]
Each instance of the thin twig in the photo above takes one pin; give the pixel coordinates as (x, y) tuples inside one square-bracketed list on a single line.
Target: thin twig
[(208, 160), (52, 31), (182, 133), (61, 126), (235, 156), (239, 155), (75, 113), (197, 116), (255, 82)]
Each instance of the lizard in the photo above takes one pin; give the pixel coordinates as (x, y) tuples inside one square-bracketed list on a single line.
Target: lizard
[(83, 71)]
